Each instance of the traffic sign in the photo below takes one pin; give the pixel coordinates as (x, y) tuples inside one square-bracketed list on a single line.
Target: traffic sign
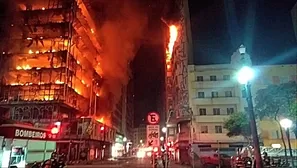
[(153, 135), (153, 118)]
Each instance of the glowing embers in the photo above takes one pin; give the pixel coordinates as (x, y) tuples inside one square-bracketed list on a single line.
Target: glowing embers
[(24, 67), (101, 120), (59, 82), (173, 33), (41, 52)]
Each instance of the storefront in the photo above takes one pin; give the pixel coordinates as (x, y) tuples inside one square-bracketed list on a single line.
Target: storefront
[(118, 146), (22, 144)]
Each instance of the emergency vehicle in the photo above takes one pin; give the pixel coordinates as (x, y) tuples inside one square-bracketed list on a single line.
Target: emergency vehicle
[(21, 145)]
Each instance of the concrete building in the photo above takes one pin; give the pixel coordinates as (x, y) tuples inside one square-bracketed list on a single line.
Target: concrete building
[(50, 71), (207, 94), (294, 18), (215, 94), (130, 110), (139, 136)]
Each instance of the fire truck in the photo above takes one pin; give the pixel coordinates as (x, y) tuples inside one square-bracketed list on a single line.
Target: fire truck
[(22, 145)]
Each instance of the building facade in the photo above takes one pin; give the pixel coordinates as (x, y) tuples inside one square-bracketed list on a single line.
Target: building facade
[(139, 136), (214, 95), (50, 72), (200, 98), (130, 110)]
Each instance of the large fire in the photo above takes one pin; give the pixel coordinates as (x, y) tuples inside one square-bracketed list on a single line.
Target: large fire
[(173, 32)]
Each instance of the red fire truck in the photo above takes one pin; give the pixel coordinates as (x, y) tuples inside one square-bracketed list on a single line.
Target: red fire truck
[(22, 144)]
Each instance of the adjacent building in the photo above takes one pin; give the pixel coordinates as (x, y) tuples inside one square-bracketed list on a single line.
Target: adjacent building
[(208, 94), (139, 136), (215, 94), (50, 72), (130, 110)]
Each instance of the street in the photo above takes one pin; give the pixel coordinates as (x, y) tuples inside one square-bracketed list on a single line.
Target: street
[(124, 163)]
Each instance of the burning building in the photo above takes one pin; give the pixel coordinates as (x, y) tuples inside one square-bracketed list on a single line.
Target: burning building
[(50, 72), (178, 57)]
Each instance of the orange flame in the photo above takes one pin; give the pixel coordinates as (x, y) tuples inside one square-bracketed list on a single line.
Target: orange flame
[(101, 120), (173, 36)]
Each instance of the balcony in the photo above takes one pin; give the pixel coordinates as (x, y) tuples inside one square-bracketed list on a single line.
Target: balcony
[(212, 84), (214, 138), (216, 101), (211, 118)]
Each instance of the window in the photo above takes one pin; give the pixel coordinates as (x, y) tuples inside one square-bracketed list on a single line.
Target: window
[(216, 111), (213, 78), (200, 94), (230, 111), (275, 80), (218, 129), (243, 93), (199, 78), (228, 93), (204, 129), (202, 111), (226, 77), (214, 94), (294, 78), (275, 134)]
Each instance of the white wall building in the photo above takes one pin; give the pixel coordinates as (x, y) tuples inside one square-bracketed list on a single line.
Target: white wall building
[(139, 136), (214, 94)]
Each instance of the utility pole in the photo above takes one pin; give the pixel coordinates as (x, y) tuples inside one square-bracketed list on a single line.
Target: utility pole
[(166, 136), (254, 131)]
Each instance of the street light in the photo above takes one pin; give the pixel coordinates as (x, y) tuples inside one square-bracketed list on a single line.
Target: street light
[(162, 139), (125, 145), (164, 129), (287, 124), (244, 76)]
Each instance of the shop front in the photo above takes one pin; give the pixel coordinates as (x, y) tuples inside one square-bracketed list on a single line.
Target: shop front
[(118, 148), (22, 145)]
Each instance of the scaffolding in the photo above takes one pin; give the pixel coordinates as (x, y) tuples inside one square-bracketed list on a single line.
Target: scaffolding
[(51, 59)]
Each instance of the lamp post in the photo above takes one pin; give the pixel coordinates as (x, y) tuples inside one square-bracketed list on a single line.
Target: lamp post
[(287, 124), (244, 76), (125, 144)]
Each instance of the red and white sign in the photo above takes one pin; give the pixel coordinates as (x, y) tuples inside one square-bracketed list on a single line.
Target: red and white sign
[(18, 131), (153, 135), (153, 118)]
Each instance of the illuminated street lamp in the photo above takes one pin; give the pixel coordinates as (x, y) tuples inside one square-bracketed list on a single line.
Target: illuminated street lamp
[(162, 139), (244, 76), (164, 129), (287, 124)]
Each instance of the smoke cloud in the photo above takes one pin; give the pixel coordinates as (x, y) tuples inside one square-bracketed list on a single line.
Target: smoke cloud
[(121, 33)]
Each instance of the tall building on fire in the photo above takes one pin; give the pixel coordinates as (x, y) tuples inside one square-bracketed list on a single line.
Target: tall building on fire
[(50, 72)]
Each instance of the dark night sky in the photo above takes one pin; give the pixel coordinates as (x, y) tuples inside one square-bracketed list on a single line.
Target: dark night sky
[(268, 35)]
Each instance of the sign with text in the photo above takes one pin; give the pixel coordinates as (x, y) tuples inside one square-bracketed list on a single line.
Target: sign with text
[(25, 132), (153, 135), (153, 118)]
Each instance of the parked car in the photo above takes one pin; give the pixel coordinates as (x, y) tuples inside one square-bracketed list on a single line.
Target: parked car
[(214, 160)]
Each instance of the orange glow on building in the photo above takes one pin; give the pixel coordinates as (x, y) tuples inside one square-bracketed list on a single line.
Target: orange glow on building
[(101, 120), (173, 33)]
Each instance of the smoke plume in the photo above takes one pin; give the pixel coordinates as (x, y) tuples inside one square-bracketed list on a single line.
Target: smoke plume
[(121, 33)]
